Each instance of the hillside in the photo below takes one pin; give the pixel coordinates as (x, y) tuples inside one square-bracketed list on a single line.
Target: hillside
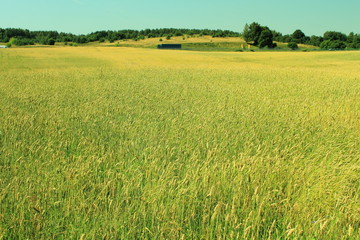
[(194, 43), (199, 43)]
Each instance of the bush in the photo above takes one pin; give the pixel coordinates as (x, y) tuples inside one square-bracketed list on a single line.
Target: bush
[(354, 45), (333, 45), (333, 36), (50, 41), (266, 39), (21, 41), (292, 45)]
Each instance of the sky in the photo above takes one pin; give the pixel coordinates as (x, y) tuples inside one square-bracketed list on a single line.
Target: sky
[(313, 17)]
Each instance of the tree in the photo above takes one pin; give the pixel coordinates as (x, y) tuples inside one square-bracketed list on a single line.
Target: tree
[(315, 40), (292, 45), (350, 37), (20, 41), (260, 35), (353, 40), (336, 45), (298, 36), (266, 39), (51, 41), (252, 33), (331, 35), (178, 33), (81, 39), (277, 36)]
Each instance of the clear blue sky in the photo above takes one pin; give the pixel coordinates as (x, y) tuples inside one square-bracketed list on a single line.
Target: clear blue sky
[(85, 16)]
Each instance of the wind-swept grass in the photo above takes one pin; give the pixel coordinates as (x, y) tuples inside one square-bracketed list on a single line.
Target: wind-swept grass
[(113, 143)]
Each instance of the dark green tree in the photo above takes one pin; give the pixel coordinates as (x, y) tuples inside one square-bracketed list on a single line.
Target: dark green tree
[(331, 35), (51, 41), (266, 39), (252, 33), (315, 40), (333, 45), (277, 36), (292, 45), (298, 36)]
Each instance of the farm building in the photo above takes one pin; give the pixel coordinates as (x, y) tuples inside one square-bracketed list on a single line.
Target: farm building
[(169, 46)]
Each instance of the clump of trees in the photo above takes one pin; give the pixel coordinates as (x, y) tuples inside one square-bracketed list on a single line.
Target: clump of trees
[(258, 35), (21, 41), (26, 37), (329, 40), (20, 37)]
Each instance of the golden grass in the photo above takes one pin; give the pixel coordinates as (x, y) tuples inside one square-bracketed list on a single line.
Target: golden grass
[(124, 143), (181, 39)]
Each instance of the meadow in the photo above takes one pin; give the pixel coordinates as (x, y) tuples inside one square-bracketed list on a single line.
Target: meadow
[(130, 143), (194, 43)]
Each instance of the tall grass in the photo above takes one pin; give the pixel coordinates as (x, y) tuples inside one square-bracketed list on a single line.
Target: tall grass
[(103, 143)]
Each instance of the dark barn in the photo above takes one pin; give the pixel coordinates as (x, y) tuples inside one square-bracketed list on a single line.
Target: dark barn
[(169, 46)]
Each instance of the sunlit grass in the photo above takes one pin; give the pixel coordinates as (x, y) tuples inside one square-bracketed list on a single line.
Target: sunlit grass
[(120, 143)]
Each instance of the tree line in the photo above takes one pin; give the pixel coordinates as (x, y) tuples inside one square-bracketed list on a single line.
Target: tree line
[(254, 33), (21, 37), (262, 36)]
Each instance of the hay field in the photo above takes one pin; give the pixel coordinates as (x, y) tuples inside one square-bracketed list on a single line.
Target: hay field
[(150, 42), (122, 143), (197, 43)]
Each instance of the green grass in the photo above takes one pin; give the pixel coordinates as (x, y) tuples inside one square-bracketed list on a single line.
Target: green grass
[(115, 143)]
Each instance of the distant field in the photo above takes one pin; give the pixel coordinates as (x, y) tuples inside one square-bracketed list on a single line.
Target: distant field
[(203, 43), (193, 43), (129, 143)]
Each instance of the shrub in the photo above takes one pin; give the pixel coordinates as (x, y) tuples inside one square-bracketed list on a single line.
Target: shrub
[(292, 45), (21, 41), (336, 45), (266, 39), (50, 41)]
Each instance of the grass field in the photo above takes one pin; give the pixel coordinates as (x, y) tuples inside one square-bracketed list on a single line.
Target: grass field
[(203, 43), (191, 43), (129, 143)]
